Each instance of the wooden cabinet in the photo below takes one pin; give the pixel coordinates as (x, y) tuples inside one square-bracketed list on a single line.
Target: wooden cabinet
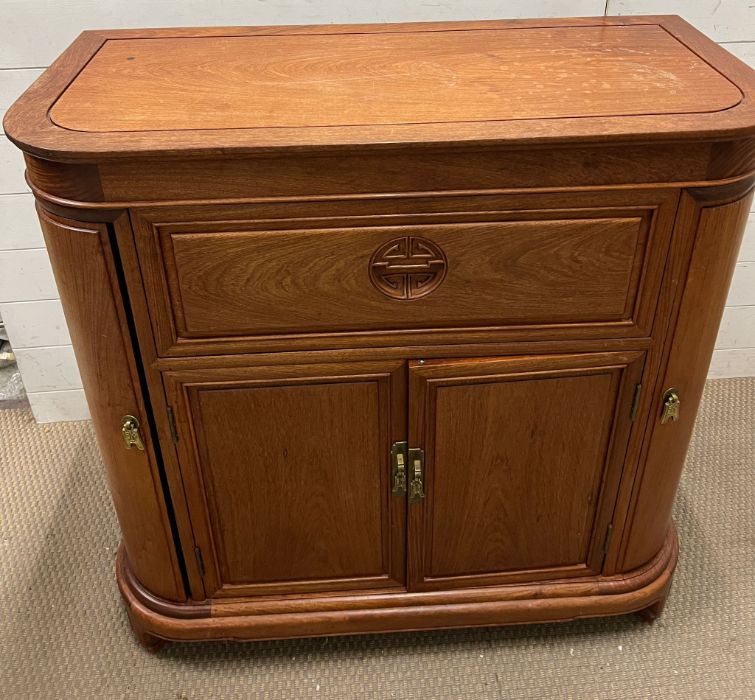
[(380, 333)]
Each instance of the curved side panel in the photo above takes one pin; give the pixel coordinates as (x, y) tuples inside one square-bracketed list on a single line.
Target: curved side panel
[(83, 267), (717, 225)]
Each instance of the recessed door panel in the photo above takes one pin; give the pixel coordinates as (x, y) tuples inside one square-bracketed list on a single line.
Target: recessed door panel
[(290, 475), (522, 457)]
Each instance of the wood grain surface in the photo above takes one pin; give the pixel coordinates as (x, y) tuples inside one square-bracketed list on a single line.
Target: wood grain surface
[(356, 79), (84, 271), (289, 470), (559, 601), (265, 282), (585, 265), (157, 92), (702, 304), (517, 454)]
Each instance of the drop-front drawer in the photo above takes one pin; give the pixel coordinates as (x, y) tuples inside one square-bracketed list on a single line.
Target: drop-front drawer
[(223, 278)]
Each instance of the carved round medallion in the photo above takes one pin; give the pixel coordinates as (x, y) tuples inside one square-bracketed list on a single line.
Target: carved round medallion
[(407, 268)]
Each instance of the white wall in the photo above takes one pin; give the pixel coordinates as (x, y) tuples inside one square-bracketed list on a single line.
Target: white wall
[(34, 32)]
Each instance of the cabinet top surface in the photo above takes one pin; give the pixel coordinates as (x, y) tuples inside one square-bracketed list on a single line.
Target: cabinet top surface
[(249, 89)]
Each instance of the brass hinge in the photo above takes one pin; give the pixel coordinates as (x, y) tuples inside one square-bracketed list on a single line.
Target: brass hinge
[(200, 560), (635, 403), (172, 424), (398, 468), (607, 539)]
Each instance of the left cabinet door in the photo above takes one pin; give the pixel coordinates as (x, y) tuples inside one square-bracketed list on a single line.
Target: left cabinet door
[(287, 474)]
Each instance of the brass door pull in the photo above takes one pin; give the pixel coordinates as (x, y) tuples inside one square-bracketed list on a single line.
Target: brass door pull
[(130, 429), (398, 468), (407, 466), (416, 484), (671, 405)]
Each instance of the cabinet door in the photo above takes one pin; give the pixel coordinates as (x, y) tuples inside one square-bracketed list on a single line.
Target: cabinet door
[(287, 473), (522, 459)]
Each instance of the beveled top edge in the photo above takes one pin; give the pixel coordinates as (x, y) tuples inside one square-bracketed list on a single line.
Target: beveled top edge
[(29, 126)]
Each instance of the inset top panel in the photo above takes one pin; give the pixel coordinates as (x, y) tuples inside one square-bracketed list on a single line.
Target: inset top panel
[(419, 77), (221, 90)]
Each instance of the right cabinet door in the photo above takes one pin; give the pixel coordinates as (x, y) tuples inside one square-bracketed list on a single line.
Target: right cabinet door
[(522, 462)]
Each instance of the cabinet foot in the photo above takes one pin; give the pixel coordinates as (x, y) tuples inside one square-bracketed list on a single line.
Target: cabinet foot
[(653, 612), (147, 640)]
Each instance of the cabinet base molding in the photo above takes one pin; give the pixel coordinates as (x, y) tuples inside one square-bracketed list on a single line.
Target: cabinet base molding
[(154, 619)]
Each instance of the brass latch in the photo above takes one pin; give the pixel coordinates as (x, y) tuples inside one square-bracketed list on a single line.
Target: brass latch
[(407, 466), (416, 483), (671, 404), (131, 434), (398, 468)]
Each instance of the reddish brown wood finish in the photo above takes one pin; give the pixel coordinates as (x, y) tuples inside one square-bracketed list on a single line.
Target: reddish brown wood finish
[(523, 459), (705, 289), (287, 474), (84, 271), (282, 286), (714, 107), (634, 591), (387, 77), (393, 174), (488, 274), (519, 266)]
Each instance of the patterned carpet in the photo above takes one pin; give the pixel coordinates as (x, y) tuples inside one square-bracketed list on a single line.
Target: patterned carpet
[(63, 633)]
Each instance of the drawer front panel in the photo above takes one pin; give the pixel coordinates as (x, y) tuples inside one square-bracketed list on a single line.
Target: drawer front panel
[(318, 280), (230, 281)]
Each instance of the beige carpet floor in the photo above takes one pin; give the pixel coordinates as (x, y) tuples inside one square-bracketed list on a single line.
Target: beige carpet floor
[(63, 633)]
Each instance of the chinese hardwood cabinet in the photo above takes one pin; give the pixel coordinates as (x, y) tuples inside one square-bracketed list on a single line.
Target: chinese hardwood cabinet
[(392, 327)]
